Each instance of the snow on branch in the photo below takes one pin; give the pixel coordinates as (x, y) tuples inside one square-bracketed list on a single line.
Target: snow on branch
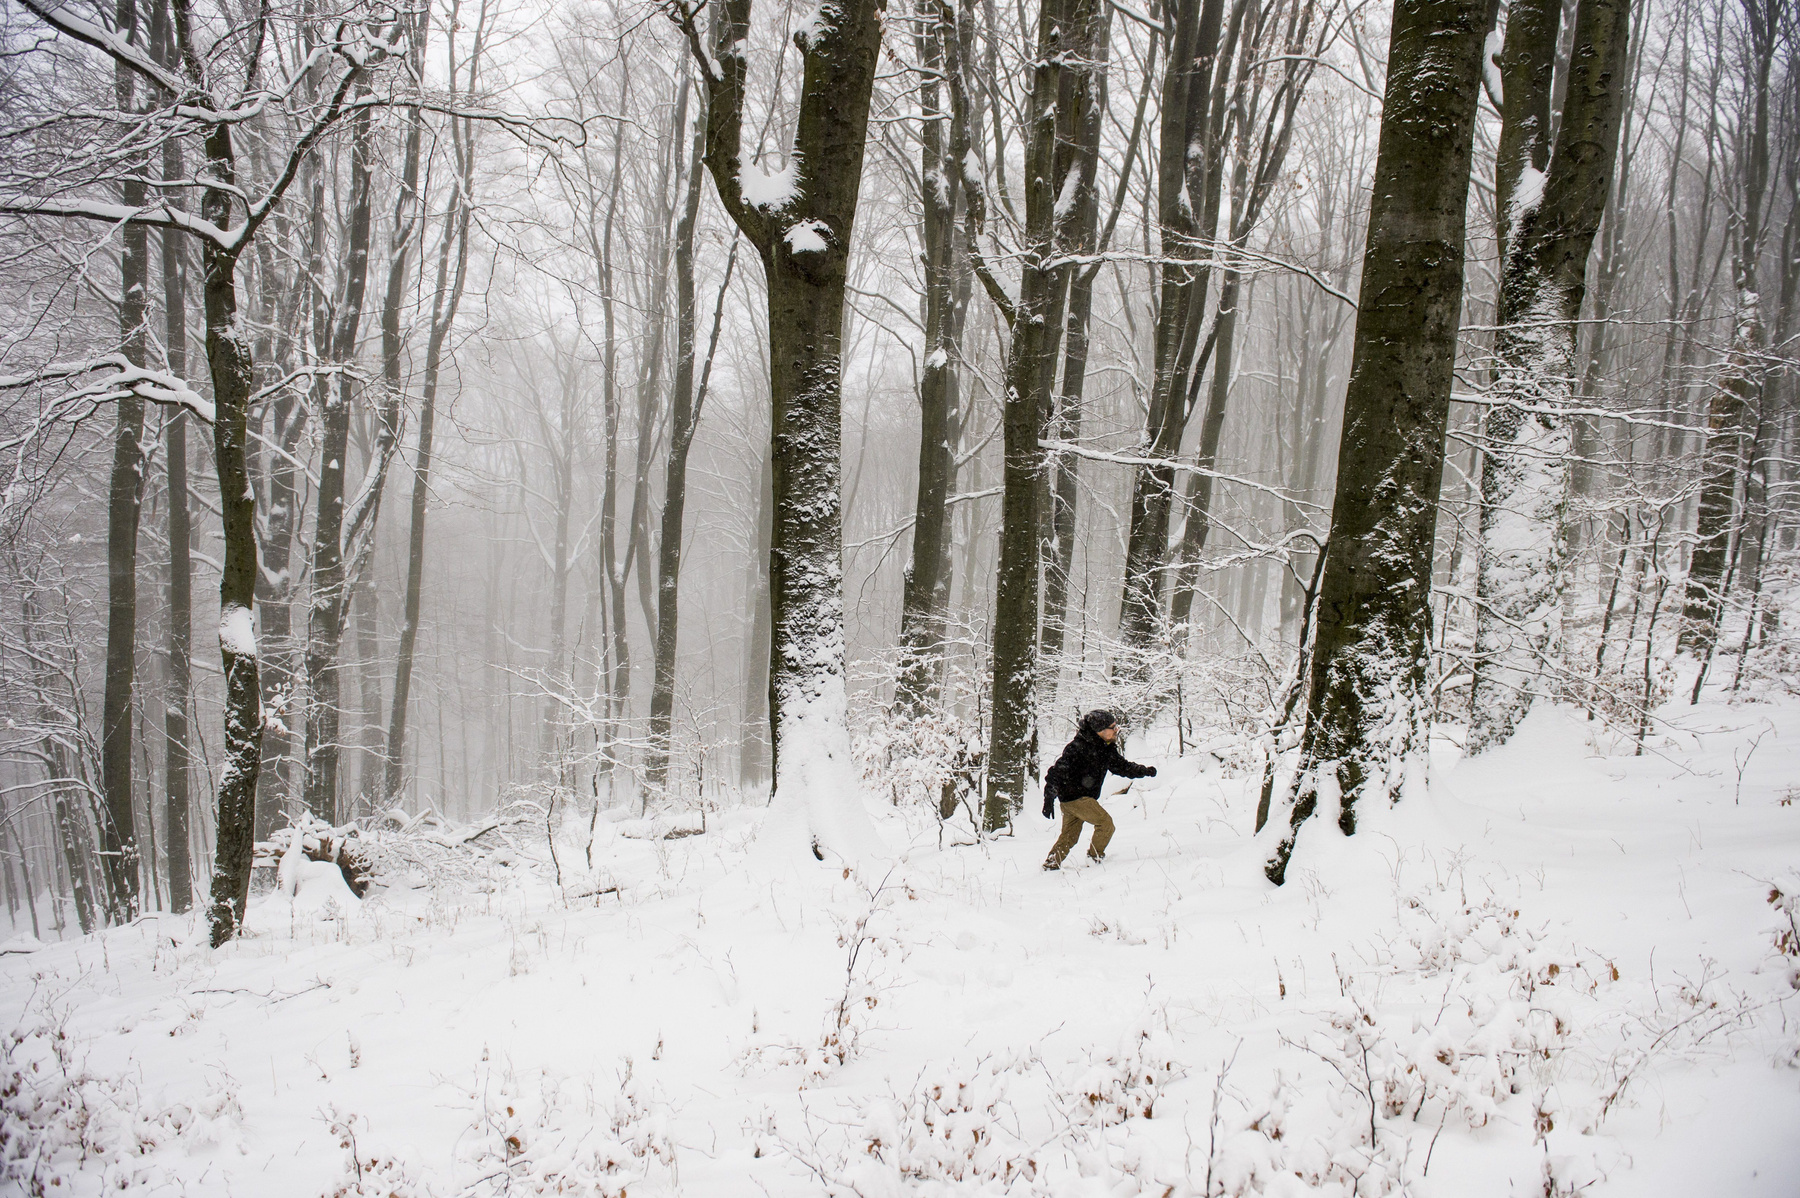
[(1175, 464), (117, 48), (157, 386), (1223, 255)]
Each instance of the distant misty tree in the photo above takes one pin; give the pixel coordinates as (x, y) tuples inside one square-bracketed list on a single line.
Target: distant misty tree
[(212, 88)]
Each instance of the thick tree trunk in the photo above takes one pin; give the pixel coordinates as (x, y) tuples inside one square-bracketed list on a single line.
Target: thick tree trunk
[(925, 594), (1066, 32), (1524, 472), (1189, 183), (1527, 68), (233, 378), (1365, 706), (1084, 91), (118, 831), (803, 237), (1737, 396), (330, 591)]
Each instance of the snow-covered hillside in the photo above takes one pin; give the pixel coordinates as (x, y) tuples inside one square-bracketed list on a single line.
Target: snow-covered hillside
[(1559, 973)]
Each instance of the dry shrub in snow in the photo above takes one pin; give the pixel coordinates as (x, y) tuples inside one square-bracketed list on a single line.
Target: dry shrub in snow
[(1006, 1124), (1784, 897), (1126, 1083), (958, 1126), (925, 761), (1497, 1030), (564, 1136), (539, 1134), (58, 1118), (369, 1174)]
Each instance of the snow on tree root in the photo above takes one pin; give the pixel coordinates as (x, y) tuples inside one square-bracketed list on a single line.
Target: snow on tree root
[(817, 809)]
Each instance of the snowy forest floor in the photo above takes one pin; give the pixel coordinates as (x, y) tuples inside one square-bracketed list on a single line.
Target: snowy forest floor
[(1559, 973)]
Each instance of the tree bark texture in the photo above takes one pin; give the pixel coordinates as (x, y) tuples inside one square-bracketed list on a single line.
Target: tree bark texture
[(330, 591), (1364, 719), (1527, 68), (925, 594), (118, 833), (1189, 185), (802, 235), (233, 378), (1736, 396), (1066, 33), (1527, 433), (1083, 91)]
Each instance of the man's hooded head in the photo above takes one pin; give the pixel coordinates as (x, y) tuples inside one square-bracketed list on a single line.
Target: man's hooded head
[(1098, 721)]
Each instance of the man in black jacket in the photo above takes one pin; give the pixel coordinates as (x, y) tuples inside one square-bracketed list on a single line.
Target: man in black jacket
[(1076, 779)]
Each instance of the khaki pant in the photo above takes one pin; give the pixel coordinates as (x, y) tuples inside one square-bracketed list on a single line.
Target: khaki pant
[(1076, 812)]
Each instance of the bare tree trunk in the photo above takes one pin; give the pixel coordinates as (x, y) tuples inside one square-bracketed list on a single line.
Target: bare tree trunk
[(330, 589), (755, 764), (281, 784), (1199, 505), (1065, 485), (687, 405), (1524, 473), (803, 237), (612, 570), (177, 787), (1364, 707), (1084, 91), (118, 832), (683, 420), (233, 377), (559, 443), (1737, 395), (926, 593), (452, 271), (1067, 30), (1189, 181), (1262, 141), (649, 392), (1527, 70), (288, 418)]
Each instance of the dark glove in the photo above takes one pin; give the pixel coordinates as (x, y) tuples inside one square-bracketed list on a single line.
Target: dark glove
[(1049, 806), (1153, 771)]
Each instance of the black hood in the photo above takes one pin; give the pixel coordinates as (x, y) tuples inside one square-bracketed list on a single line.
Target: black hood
[(1095, 721)]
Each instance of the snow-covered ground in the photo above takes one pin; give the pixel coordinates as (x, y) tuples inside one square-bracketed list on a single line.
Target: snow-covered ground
[(1557, 973)]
